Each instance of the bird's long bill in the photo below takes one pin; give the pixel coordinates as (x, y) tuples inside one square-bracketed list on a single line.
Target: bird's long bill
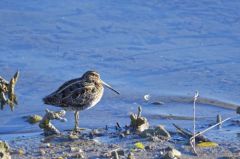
[(108, 86)]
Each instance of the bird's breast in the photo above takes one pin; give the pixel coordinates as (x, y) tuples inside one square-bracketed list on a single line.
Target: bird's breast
[(97, 98)]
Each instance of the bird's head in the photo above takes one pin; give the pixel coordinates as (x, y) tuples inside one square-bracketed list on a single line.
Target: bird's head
[(93, 76)]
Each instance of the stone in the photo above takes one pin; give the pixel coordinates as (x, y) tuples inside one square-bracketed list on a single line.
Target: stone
[(4, 150), (73, 136), (45, 145), (21, 152), (161, 131), (98, 132), (32, 119), (127, 132), (147, 133), (42, 152), (78, 153), (121, 152), (172, 154), (75, 149), (130, 156), (148, 147)]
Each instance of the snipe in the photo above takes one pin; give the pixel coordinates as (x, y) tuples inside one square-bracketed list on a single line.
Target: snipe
[(79, 94)]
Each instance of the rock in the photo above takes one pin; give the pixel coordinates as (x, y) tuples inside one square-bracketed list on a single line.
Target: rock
[(155, 139), (79, 154), (32, 119), (42, 152), (238, 110), (21, 152), (147, 133), (75, 149), (130, 156), (4, 150), (76, 153), (113, 153), (45, 145), (98, 132), (121, 152), (172, 154), (148, 147), (161, 131), (127, 132), (73, 136)]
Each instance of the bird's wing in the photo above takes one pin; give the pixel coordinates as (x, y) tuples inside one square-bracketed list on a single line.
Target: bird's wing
[(68, 84), (79, 97), (56, 97)]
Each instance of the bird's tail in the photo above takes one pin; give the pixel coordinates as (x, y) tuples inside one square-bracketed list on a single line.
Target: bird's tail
[(49, 100)]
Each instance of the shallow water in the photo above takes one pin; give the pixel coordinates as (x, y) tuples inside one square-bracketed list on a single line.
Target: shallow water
[(139, 47)]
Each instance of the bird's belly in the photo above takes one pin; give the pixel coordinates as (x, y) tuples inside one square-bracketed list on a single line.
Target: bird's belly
[(96, 100)]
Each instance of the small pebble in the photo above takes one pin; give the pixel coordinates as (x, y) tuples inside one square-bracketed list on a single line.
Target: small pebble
[(73, 137), (130, 156), (127, 132), (148, 147), (21, 152), (47, 145), (42, 152), (74, 149), (120, 152)]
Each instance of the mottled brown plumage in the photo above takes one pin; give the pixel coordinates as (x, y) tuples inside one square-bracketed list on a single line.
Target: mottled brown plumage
[(78, 94)]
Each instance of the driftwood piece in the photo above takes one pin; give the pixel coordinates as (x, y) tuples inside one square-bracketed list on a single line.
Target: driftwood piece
[(11, 93), (47, 126), (7, 89), (187, 134)]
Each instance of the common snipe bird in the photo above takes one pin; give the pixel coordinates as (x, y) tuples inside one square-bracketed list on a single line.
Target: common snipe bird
[(79, 94)]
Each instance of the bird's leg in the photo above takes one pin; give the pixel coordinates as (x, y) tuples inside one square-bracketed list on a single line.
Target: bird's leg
[(76, 115)]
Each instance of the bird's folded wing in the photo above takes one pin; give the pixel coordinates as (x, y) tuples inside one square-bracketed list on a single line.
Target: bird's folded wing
[(79, 96)]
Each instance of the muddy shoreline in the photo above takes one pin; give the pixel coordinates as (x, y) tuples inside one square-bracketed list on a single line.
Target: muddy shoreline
[(104, 143)]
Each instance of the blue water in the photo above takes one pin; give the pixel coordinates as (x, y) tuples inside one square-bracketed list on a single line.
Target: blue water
[(139, 47)]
